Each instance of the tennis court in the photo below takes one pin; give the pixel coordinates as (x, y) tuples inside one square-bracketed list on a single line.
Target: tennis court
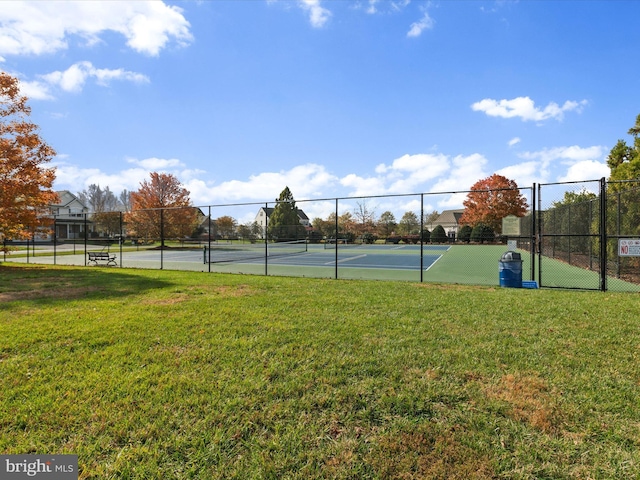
[(462, 264), (391, 257)]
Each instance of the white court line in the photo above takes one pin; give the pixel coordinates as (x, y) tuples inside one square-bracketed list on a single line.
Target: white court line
[(346, 259), (435, 261)]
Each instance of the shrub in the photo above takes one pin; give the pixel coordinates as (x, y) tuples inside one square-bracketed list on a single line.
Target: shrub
[(464, 234), (439, 235), (482, 233), (368, 238)]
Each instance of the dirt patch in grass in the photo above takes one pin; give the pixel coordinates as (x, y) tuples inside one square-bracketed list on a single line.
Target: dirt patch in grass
[(186, 294), (429, 453), (61, 292), (530, 400)]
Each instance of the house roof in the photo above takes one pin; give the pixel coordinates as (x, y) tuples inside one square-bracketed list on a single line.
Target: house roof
[(301, 214), (66, 198), (449, 217)]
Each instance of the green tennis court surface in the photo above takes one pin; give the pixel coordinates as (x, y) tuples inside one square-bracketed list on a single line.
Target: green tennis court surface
[(461, 264)]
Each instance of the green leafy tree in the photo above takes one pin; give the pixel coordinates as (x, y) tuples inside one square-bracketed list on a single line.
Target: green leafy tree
[(570, 221), (386, 224), (623, 210), (323, 228), (284, 222), (409, 224)]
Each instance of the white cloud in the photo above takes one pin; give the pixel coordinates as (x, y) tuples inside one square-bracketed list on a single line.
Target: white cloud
[(464, 172), (425, 23), (514, 141), (360, 186), (371, 9), (35, 90), (318, 15), (75, 179), (570, 154), (304, 181), (157, 164), (582, 163), (41, 27), (526, 174), (524, 108), (585, 170), (74, 78)]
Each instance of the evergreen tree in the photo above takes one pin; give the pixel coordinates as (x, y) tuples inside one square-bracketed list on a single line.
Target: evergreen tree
[(438, 235), (284, 222)]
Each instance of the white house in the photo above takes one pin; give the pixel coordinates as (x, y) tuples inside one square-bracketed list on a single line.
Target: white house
[(449, 220), (262, 217), (69, 216)]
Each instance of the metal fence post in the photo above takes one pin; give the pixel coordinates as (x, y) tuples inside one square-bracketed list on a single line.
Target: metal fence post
[(603, 234), (532, 236), (421, 237), (336, 238), (266, 238)]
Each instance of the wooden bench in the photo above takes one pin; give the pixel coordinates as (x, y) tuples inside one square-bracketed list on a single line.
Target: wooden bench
[(108, 258)]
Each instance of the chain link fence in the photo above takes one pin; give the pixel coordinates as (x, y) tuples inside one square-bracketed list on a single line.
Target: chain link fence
[(569, 238)]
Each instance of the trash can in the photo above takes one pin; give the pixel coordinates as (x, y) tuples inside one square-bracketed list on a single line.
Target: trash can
[(510, 269)]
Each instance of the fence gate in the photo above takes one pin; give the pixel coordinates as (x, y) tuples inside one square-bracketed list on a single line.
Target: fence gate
[(571, 235)]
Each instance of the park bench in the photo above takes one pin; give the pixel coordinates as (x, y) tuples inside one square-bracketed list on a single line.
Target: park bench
[(108, 258)]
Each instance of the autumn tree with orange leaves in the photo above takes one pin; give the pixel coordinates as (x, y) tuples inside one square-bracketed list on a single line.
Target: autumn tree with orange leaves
[(25, 183), (490, 200), (161, 209)]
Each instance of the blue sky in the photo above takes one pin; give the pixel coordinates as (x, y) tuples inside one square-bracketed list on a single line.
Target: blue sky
[(333, 98)]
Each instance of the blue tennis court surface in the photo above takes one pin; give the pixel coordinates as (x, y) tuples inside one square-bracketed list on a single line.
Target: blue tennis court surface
[(393, 257), (399, 257)]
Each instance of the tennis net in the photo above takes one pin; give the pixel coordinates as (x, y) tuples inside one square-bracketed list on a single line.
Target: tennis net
[(238, 252)]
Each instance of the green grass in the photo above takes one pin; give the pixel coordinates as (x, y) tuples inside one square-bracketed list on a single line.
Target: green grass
[(158, 374)]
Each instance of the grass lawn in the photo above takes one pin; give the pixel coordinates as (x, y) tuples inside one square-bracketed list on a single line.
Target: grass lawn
[(161, 374)]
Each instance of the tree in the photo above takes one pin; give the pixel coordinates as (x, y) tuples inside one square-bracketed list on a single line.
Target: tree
[(284, 222), (624, 160), (125, 200), (161, 208), (571, 221), (409, 224), (490, 200), (324, 228), (99, 200), (429, 218), (438, 235), (226, 226), (623, 189), (25, 183), (482, 233), (464, 234), (386, 224), (104, 206), (365, 218)]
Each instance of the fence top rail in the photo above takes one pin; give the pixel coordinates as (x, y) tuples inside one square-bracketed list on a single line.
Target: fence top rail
[(570, 182)]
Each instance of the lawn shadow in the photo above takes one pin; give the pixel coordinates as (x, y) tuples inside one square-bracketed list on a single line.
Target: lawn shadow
[(40, 284)]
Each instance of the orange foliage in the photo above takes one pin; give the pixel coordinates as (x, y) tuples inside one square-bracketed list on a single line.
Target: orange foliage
[(161, 208), (492, 199), (25, 184)]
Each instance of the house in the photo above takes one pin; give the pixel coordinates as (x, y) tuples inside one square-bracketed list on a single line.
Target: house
[(69, 217), (449, 220), (262, 218)]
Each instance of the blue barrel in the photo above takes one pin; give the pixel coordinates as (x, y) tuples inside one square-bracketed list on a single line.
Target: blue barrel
[(510, 270)]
